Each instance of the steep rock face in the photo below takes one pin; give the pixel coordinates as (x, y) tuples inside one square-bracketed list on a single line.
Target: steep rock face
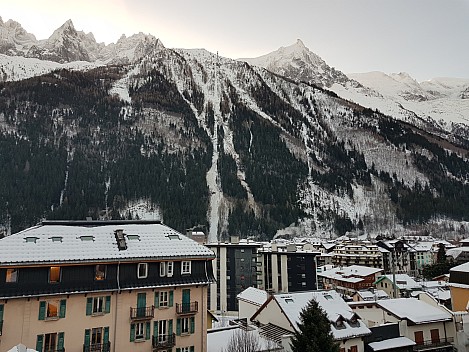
[(299, 63), (14, 40), (129, 49), (64, 45)]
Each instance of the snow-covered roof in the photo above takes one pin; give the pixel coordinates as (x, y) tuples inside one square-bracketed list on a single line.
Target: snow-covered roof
[(462, 268), (253, 295), (21, 348), (417, 311), (368, 295), (396, 342), (403, 281), (353, 273), (330, 301), (219, 339), (455, 252), (54, 243)]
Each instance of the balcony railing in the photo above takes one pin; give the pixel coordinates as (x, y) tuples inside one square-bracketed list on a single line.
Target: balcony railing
[(97, 347), (54, 350), (187, 308), (142, 313), (431, 344), (161, 342)]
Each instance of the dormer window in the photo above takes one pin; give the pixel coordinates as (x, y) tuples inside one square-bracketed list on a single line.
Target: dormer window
[(12, 275), (142, 270), (100, 272), (186, 267), (54, 274)]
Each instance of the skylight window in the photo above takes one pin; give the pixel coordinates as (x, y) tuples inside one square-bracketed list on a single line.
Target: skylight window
[(173, 237), (87, 238), (289, 300), (328, 297), (56, 238), (133, 237), (31, 239)]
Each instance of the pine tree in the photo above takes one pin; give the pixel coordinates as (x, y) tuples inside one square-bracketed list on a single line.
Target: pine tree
[(314, 331)]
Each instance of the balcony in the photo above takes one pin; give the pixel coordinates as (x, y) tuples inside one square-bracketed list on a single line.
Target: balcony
[(443, 344), (97, 347), (162, 342), (142, 313), (187, 308)]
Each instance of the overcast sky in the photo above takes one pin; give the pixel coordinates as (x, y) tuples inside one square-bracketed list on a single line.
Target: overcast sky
[(426, 38)]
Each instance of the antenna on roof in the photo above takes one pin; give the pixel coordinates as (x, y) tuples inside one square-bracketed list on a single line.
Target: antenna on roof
[(120, 239)]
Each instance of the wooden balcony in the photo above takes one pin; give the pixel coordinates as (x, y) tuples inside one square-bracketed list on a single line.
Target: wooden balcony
[(187, 308), (142, 313), (162, 342)]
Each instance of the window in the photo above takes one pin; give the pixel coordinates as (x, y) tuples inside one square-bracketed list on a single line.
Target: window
[(139, 331), (187, 349), (142, 270), (163, 298), (54, 274), (98, 305), (12, 275), (166, 269), (185, 326), (100, 272), (186, 267), (169, 268), (50, 341), (96, 339), (52, 310)]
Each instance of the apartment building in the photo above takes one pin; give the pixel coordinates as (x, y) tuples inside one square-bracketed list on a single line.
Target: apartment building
[(235, 269), (350, 253), (103, 286)]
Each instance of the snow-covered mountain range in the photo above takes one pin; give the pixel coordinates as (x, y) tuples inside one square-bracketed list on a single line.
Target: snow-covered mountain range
[(208, 140), (440, 103), (67, 44)]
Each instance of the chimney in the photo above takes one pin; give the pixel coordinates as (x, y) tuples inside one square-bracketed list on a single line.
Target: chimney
[(291, 247), (234, 239), (120, 239)]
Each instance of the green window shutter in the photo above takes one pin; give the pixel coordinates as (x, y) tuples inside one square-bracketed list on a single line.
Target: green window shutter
[(178, 326), (170, 327), (191, 349), (106, 334), (171, 298), (155, 329), (147, 330), (157, 299), (1, 312), (63, 308), (87, 337), (42, 310), (132, 332), (107, 307), (60, 342), (39, 342), (192, 325), (89, 306), (178, 349)]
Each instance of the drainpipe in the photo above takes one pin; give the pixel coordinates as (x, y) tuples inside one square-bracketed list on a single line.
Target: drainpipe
[(115, 310)]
